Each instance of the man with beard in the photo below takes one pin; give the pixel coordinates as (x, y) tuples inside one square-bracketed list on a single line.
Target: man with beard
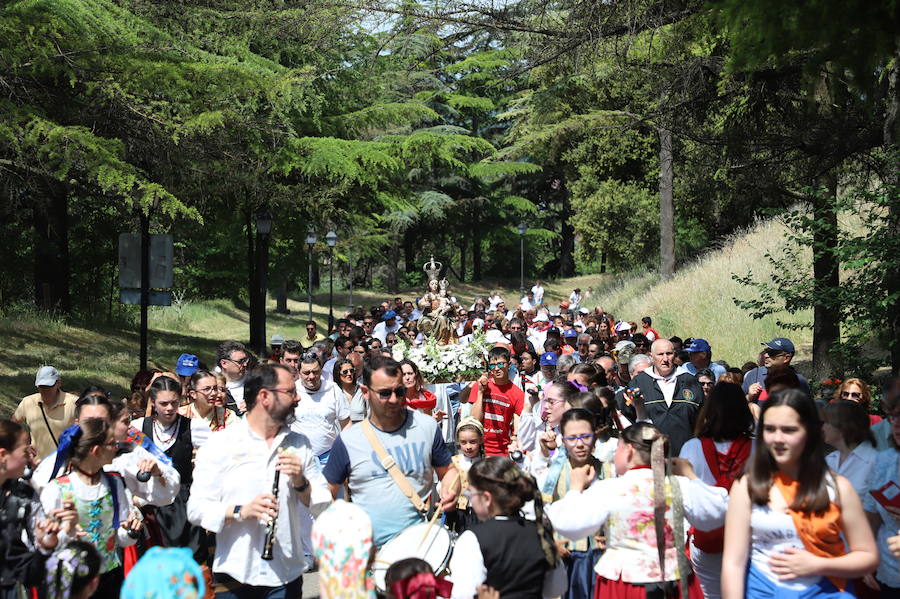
[(232, 496), (416, 448)]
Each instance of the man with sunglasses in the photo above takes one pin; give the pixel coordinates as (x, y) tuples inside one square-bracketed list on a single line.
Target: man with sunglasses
[(412, 439), (501, 402), (232, 359), (777, 352)]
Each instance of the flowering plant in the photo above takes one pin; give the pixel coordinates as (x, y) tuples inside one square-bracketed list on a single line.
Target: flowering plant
[(825, 389), (446, 363)]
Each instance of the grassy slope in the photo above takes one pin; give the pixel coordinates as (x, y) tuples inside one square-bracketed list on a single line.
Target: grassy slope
[(697, 302)]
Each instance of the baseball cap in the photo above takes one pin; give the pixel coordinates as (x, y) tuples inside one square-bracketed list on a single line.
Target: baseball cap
[(389, 315), (542, 317), (277, 339), (549, 358), (563, 304), (780, 344), (623, 326), (47, 376), (570, 333), (583, 310), (698, 345), (187, 365)]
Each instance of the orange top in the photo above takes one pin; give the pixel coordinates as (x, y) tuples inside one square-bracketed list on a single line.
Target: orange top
[(820, 532)]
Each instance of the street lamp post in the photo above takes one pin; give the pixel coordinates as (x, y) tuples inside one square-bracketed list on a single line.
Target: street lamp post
[(522, 228), (331, 240), (350, 280), (311, 239), (263, 230)]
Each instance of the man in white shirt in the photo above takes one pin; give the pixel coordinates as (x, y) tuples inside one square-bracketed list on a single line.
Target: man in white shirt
[(232, 494), (232, 359), (528, 302), (323, 410), (387, 325), (538, 291)]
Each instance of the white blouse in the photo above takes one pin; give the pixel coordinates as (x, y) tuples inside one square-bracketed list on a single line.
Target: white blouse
[(857, 466), (626, 502)]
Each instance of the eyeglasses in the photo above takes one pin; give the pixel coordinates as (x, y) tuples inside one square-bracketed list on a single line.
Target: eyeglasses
[(573, 439), (292, 391), (241, 362), (706, 384), (350, 372), (774, 353), (386, 394), (851, 394), (207, 390), (496, 365)]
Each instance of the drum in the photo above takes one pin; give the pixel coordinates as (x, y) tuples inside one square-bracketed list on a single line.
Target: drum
[(434, 545)]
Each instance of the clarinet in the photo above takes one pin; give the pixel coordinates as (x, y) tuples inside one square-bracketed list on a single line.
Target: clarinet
[(270, 527)]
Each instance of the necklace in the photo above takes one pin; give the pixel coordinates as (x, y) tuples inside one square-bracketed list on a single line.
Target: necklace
[(91, 475), (160, 431)]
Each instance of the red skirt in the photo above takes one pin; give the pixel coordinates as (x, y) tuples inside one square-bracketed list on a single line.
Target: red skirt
[(618, 589)]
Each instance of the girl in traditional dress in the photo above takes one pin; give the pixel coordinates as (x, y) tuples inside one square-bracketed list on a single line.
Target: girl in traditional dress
[(98, 497), (800, 526), (718, 454), (578, 429), (470, 438), (644, 511), (176, 436), (207, 402), (515, 556)]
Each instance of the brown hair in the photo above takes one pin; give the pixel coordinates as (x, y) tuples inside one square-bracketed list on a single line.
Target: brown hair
[(851, 419), (865, 393), (9, 434), (510, 488), (812, 496), (94, 432)]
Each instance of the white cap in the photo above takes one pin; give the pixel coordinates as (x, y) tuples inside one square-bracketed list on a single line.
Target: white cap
[(623, 326), (47, 376), (541, 318)]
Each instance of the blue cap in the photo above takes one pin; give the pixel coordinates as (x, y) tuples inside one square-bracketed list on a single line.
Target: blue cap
[(187, 365), (549, 359), (389, 315), (698, 345), (780, 344), (570, 333)]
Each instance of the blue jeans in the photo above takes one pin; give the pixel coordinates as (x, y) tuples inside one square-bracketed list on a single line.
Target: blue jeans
[(292, 590)]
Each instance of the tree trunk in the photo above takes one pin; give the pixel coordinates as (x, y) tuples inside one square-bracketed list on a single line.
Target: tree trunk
[(892, 145), (51, 250), (409, 252), (567, 231), (464, 241), (252, 276), (666, 206), (393, 274), (281, 298), (826, 310), (476, 254)]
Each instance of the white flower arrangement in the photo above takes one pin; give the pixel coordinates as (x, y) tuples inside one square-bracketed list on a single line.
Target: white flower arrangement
[(447, 363)]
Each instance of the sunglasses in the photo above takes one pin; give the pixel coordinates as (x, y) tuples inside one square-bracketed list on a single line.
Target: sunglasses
[(851, 394), (241, 362), (497, 365), (386, 394), (351, 371), (706, 384)]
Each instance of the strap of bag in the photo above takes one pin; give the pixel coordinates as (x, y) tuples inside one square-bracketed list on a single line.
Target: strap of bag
[(388, 463), (47, 422)]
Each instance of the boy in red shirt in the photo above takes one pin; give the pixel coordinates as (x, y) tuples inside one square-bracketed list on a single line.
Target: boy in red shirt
[(502, 403)]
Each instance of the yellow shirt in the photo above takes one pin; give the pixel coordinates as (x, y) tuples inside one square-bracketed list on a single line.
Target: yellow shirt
[(31, 411)]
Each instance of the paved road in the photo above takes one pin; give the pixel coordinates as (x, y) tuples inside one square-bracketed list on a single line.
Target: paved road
[(311, 585)]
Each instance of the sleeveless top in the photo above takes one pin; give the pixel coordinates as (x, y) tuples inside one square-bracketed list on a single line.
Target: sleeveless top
[(513, 556), (182, 450)]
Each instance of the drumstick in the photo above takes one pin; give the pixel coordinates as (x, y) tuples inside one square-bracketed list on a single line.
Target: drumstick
[(437, 513)]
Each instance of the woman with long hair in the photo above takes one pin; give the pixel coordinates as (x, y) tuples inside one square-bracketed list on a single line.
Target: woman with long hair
[(98, 497), (207, 401), (644, 557), (417, 396), (794, 529), (177, 437), (506, 551), (718, 452), (846, 428)]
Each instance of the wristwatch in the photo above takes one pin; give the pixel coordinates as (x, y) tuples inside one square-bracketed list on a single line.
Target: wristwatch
[(236, 513), (303, 487)]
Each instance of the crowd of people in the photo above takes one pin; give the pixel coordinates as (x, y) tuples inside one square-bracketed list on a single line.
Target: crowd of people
[(593, 457)]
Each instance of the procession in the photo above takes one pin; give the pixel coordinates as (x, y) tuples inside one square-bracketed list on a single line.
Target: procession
[(439, 448)]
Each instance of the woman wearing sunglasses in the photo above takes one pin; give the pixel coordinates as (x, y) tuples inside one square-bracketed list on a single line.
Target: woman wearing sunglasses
[(858, 391)]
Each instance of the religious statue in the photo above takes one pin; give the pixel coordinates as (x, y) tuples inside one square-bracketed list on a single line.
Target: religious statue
[(437, 306)]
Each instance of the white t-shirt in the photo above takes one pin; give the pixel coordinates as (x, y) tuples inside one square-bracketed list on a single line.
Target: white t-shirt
[(538, 292), (319, 414)]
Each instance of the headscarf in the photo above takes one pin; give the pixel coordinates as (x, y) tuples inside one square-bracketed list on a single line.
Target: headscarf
[(165, 573), (472, 422), (423, 585), (342, 545)]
